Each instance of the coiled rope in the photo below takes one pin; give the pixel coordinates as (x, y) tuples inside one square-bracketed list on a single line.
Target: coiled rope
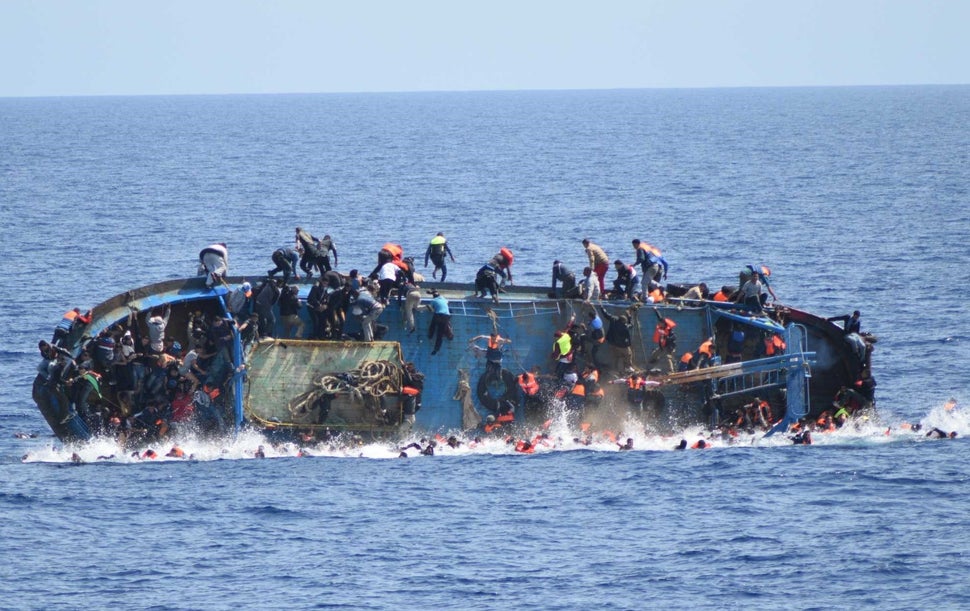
[(373, 379)]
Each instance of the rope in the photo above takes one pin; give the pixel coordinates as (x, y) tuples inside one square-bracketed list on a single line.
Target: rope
[(373, 379), (493, 316), (470, 418)]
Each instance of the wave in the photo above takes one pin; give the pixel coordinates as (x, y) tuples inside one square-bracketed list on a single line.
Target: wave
[(556, 436)]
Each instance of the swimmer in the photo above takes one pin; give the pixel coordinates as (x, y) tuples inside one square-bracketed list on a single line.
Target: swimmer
[(176, 452), (626, 446), (415, 445), (936, 433)]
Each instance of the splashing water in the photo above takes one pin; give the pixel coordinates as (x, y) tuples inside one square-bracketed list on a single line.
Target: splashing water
[(559, 434)]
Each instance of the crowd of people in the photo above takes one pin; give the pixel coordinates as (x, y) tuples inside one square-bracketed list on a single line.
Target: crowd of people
[(138, 385)]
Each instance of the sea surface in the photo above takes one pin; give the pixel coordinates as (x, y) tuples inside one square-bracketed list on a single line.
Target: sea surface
[(856, 198)]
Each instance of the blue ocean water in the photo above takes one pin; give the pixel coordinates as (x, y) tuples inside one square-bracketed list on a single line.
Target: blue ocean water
[(855, 197)]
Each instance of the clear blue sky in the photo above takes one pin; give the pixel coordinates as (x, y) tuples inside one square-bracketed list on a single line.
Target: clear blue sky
[(98, 47)]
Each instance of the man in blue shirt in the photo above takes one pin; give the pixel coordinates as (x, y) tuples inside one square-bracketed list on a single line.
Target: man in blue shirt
[(440, 327)]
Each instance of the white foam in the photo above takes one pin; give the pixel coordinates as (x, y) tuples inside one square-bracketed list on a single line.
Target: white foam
[(559, 436)]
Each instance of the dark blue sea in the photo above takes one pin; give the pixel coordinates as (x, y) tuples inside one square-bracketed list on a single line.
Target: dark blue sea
[(856, 198)]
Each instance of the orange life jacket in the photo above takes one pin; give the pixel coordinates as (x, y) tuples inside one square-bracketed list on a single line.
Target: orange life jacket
[(657, 295), (774, 344), (650, 249), (410, 391), (395, 249), (509, 257), (528, 384), (661, 333), (505, 418), (720, 296), (707, 348), (635, 382), (766, 409), (687, 358), (525, 447), (578, 389)]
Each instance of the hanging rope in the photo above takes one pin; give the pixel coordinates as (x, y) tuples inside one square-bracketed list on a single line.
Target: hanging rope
[(470, 418)]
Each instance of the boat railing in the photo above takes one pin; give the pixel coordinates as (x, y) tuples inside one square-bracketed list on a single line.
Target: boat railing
[(798, 389), (740, 378), (511, 309)]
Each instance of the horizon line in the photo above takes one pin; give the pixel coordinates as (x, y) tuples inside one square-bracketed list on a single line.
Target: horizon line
[(445, 91)]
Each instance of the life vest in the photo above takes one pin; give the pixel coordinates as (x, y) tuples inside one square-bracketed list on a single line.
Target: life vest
[(687, 358), (524, 447), (635, 382), (410, 391), (505, 418), (720, 296), (765, 407), (700, 444), (71, 317), (541, 440), (707, 348), (663, 331), (649, 249), (774, 344), (528, 384), (491, 426), (578, 390), (656, 295), (493, 353), (564, 344), (438, 245), (395, 250), (509, 257)]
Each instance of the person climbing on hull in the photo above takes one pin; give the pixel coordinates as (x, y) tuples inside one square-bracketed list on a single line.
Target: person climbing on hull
[(486, 280), (287, 261), (214, 263)]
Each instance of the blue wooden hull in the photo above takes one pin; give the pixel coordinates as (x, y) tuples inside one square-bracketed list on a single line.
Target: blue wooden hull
[(816, 364)]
